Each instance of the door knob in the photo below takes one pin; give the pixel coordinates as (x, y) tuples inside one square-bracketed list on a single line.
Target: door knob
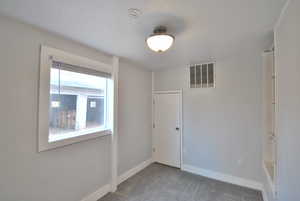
[(177, 128)]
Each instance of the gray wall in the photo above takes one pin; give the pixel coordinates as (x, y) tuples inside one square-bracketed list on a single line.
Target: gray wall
[(135, 86), (222, 126), (287, 50), (68, 173)]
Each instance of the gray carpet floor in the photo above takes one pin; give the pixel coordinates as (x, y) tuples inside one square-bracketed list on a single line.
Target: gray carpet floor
[(162, 183)]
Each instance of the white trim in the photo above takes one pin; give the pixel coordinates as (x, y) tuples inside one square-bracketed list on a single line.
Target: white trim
[(181, 128), (276, 131), (223, 177), (108, 187), (282, 14), (98, 193), (69, 58), (277, 164), (114, 142), (264, 195), (270, 182), (134, 170), (152, 113), (102, 132), (180, 116)]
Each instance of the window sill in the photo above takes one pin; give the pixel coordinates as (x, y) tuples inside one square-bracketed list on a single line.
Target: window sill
[(73, 137), (72, 134)]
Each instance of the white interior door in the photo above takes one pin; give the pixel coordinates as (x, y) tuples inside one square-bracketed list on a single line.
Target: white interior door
[(167, 129)]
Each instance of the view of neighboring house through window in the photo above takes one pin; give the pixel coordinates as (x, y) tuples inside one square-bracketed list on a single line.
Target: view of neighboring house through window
[(77, 103)]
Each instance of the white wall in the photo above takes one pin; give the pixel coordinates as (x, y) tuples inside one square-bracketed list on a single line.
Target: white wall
[(135, 86), (222, 126), (287, 61), (68, 173)]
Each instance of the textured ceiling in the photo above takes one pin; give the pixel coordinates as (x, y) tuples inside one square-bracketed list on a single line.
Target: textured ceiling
[(204, 29)]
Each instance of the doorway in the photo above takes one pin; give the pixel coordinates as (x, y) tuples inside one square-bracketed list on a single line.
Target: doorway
[(167, 127)]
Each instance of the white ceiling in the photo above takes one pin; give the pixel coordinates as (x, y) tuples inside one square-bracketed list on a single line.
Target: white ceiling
[(204, 29)]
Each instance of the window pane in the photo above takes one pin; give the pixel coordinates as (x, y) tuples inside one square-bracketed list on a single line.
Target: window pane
[(95, 111), (77, 104)]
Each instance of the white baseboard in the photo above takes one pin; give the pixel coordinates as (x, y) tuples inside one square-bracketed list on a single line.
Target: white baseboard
[(188, 168), (107, 188), (223, 177), (134, 170), (98, 194)]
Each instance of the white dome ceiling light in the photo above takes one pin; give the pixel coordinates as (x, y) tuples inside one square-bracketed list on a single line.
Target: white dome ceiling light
[(160, 41)]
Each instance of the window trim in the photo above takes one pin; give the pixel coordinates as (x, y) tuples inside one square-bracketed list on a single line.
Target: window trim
[(47, 55)]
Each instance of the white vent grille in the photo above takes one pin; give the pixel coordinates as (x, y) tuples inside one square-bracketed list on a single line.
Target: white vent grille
[(202, 75)]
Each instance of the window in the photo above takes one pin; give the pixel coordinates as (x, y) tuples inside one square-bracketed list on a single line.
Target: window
[(74, 110), (79, 94)]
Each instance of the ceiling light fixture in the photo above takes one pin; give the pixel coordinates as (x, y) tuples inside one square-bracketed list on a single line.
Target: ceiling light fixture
[(160, 41)]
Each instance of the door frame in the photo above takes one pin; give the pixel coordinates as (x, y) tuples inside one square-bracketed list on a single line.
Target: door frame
[(179, 92)]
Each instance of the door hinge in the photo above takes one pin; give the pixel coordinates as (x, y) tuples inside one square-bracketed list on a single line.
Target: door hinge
[(153, 125)]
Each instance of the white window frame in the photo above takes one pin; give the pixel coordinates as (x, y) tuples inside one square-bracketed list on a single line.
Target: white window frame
[(49, 54)]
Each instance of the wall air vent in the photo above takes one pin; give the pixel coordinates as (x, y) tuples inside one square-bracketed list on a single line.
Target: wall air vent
[(202, 75)]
